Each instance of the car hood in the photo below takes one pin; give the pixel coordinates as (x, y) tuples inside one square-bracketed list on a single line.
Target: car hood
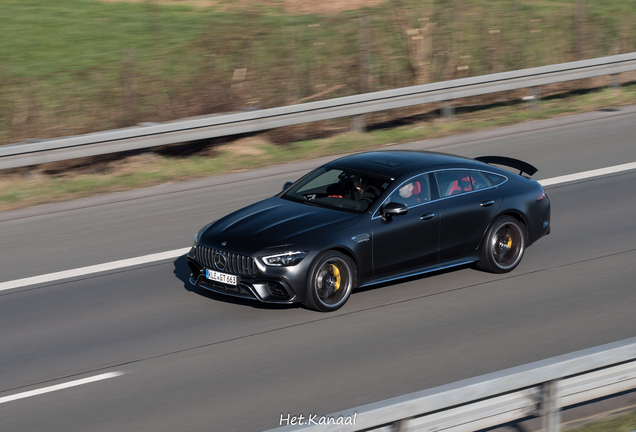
[(276, 221)]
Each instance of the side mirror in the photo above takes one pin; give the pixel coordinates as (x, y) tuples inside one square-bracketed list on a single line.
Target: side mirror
[(393, 209), (287, 185)]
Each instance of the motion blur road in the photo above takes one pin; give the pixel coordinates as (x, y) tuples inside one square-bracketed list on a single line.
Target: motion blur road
[(193, 360)]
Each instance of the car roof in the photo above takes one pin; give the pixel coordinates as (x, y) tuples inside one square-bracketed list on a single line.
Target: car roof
[(394, 163)]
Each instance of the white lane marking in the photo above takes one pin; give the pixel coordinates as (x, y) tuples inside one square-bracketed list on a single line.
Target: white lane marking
[(51, 277), (82, 271), (59, 387), (588, 174)]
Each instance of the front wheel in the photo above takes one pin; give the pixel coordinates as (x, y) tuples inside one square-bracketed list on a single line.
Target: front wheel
[(330, 282), (503, 245)]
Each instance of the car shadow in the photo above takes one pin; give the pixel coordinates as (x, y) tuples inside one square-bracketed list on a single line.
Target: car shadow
[(182, 272)]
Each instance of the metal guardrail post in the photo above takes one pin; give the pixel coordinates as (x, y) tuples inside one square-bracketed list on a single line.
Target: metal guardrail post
[(358, 123), (400, 425), (448, 111), (535, 92), (550, 409), (615, 81)]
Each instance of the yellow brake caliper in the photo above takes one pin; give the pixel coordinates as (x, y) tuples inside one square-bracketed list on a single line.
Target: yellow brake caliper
[(509, 241), (336, 274)]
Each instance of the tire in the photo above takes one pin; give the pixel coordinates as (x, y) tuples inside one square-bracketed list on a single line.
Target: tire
[(503, 245), (331, 280)]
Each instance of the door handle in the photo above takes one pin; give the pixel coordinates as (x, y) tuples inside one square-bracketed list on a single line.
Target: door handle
[(487, 203), (427, 216)]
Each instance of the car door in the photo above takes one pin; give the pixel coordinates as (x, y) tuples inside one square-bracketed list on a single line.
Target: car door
[(468, 203), (411, 239)]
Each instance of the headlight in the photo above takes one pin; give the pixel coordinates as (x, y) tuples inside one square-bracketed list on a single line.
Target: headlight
[(285, 259)]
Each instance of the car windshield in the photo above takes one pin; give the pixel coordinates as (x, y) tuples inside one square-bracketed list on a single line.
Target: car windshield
[(339, 188)]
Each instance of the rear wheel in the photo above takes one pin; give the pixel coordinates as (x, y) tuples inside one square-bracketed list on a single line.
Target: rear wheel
[(503, 245), (330, 282)]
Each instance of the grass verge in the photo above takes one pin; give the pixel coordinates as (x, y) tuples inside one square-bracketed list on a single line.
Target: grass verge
[(24, 189), (624, 423)]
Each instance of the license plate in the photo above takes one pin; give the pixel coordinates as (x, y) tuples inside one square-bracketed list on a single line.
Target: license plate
[(220, 277)]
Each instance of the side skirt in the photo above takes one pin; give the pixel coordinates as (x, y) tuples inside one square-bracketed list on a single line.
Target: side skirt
[(419, 271)]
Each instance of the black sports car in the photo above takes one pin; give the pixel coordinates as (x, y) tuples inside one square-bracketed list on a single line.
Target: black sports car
[(372, 218)]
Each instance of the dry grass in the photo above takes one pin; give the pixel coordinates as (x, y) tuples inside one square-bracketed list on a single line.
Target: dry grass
[(250, 146), (326, 7)]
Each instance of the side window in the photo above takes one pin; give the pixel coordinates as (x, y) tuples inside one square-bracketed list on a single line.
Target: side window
[(479, 180), (412, 192), (453, 182), (494, 178)]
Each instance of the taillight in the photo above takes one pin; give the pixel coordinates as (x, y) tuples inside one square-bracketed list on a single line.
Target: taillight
[(541, 195)]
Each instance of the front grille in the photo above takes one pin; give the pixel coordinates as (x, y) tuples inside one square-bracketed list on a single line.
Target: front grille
[(235, 264)]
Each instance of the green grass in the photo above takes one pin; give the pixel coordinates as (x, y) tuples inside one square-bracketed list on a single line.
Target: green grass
[(625, 423), (63, 70)]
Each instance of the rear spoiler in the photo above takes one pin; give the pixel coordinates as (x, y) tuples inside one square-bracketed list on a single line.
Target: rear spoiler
[(522, 166)]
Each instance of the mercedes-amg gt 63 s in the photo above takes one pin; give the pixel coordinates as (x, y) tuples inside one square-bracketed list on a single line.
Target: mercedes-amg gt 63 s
[(372, 218)]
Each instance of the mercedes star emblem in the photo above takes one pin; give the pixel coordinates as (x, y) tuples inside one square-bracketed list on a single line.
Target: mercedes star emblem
[(220, 261)]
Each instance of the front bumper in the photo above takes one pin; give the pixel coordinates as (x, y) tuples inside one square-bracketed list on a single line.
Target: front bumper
[(255, 285)]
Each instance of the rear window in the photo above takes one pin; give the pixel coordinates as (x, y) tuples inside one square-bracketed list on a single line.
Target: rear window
[(480, 181), (494, 178)]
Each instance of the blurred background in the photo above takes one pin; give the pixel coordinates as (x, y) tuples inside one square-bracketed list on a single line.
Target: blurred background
[(81, 66)]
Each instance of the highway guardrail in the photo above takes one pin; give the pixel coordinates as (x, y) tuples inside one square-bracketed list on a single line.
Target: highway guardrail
[(539, 389), (151, 135)]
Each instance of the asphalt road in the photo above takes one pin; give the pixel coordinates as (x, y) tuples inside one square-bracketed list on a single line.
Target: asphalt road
[(194, 360)]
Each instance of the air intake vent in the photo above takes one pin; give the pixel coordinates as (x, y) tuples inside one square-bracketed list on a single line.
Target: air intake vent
[(277, 290)]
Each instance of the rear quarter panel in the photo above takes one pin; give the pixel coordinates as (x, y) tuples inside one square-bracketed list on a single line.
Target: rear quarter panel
[(520, 200)]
